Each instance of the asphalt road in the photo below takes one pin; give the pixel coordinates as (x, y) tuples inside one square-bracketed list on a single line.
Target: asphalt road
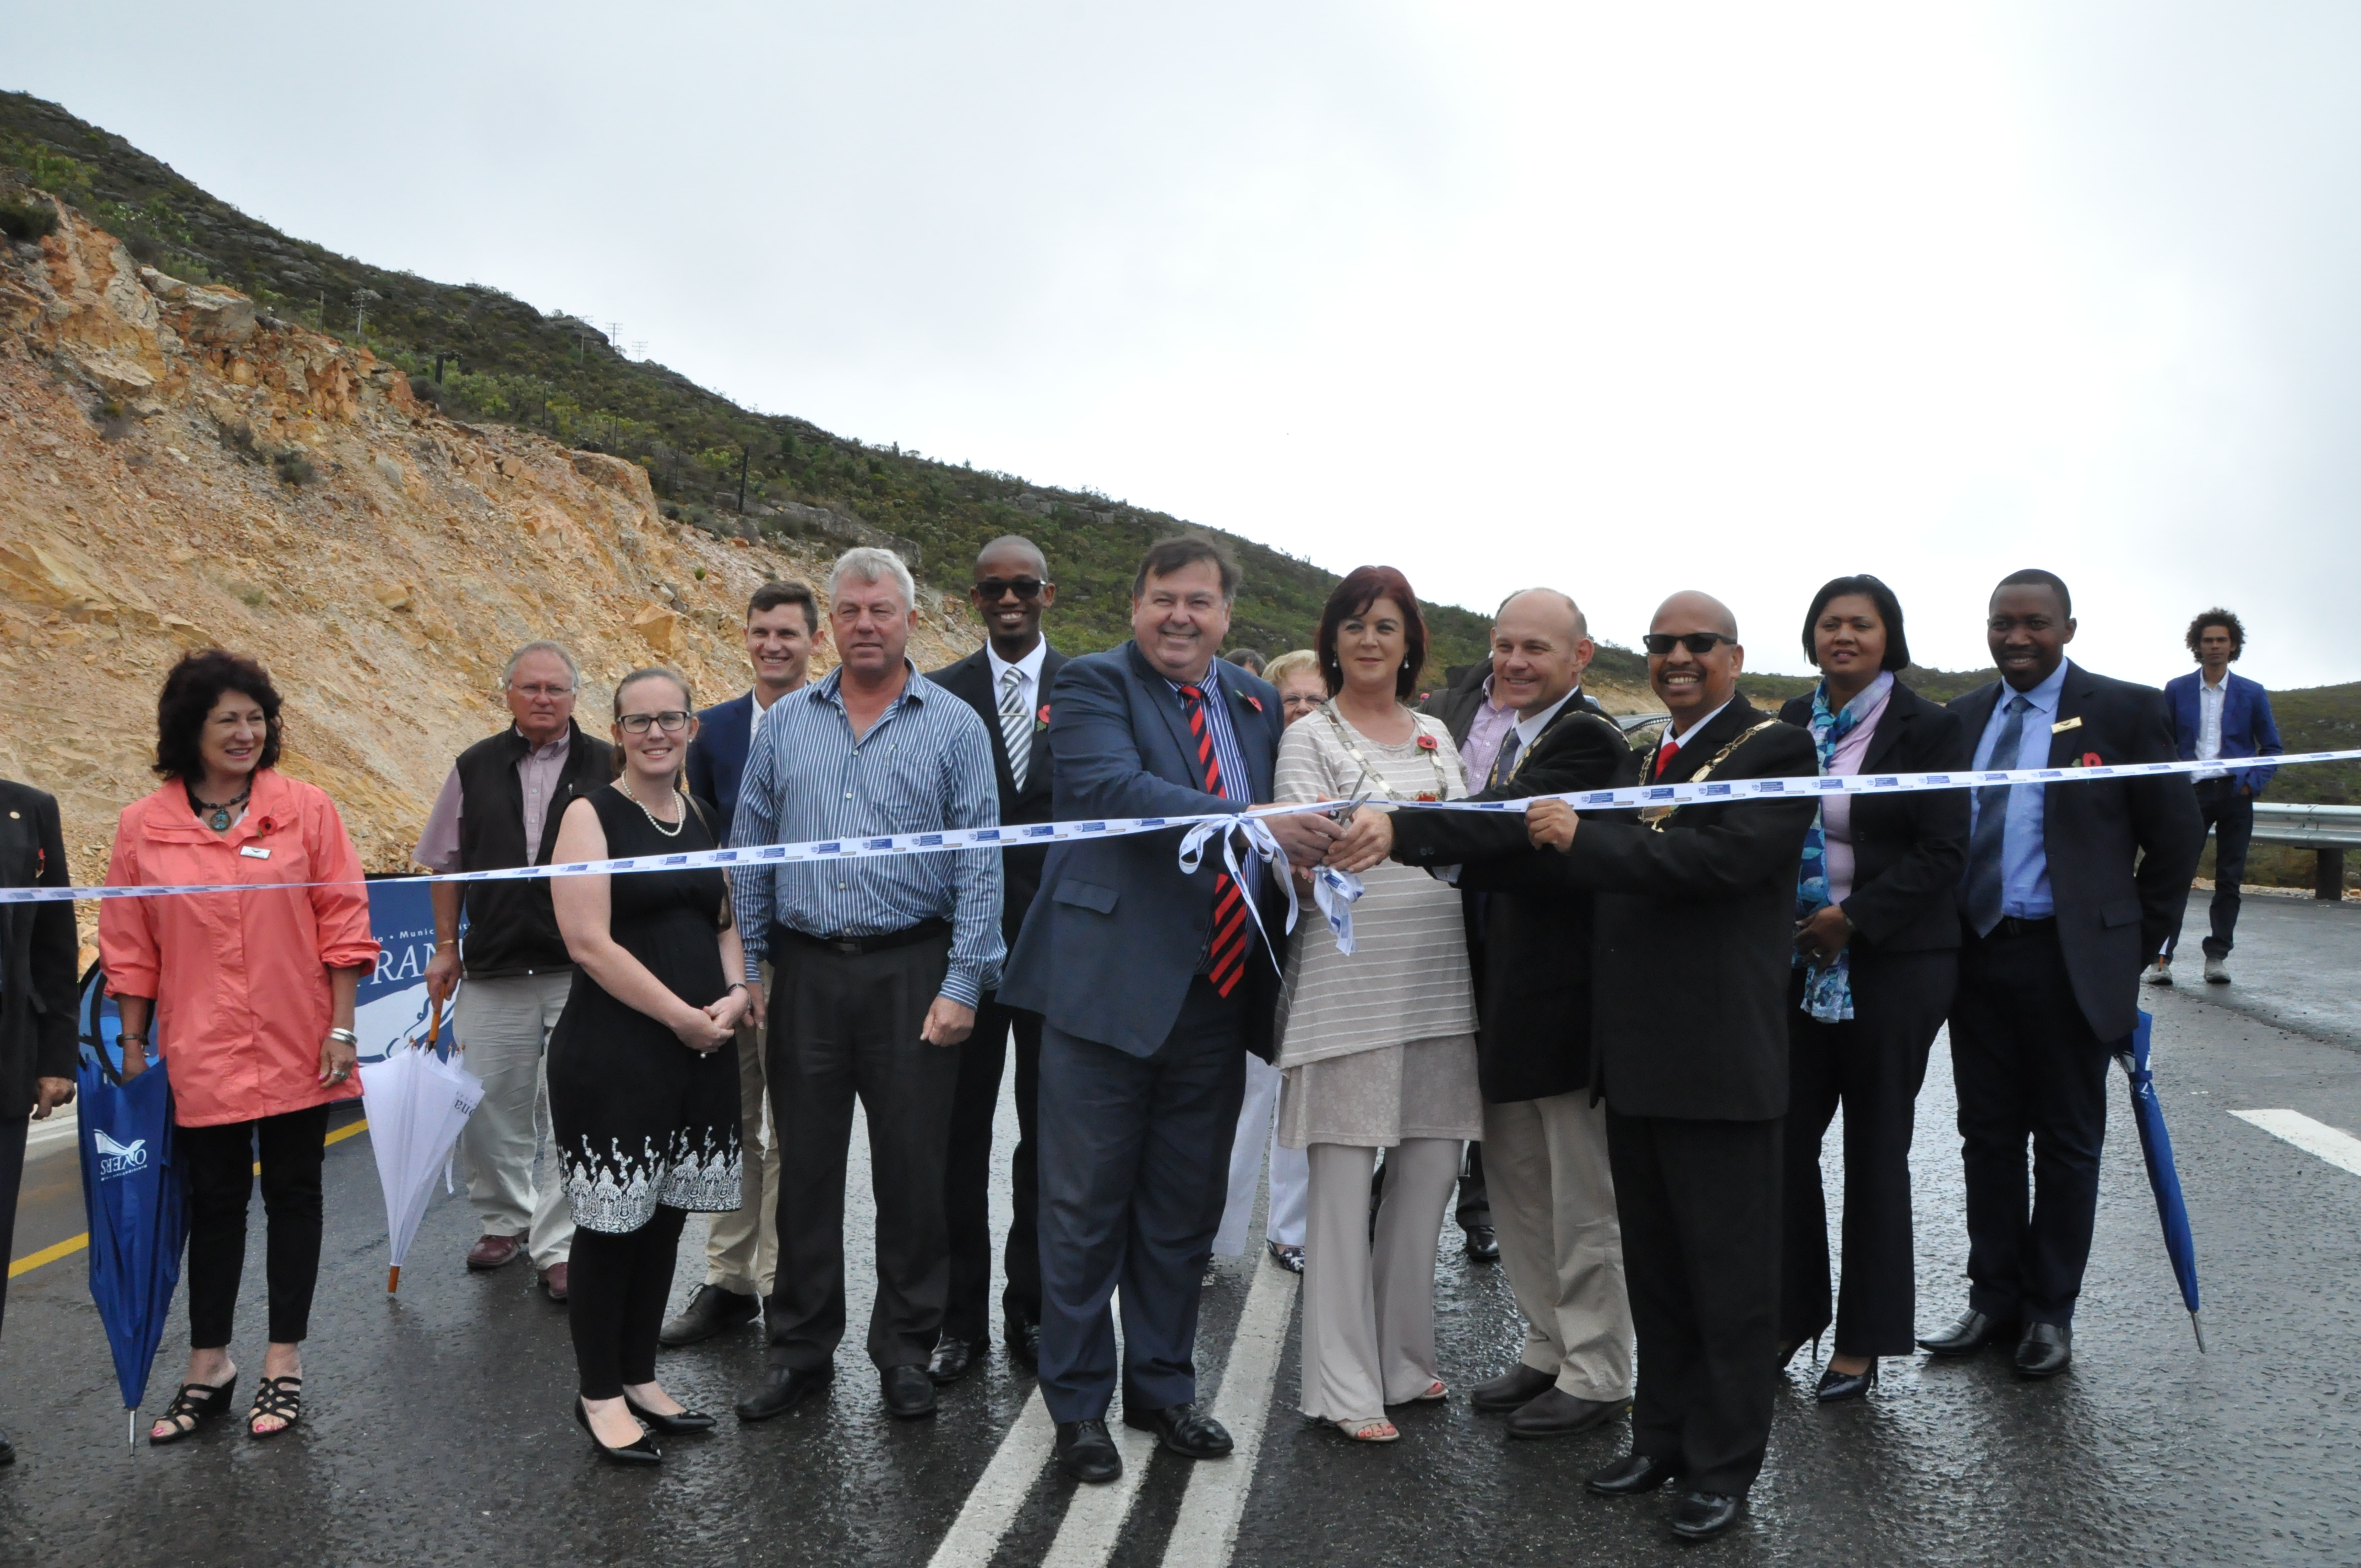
[(437, 1426)]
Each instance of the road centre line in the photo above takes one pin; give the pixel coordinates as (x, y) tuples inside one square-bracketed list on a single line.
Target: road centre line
[(1207, 1528), (2338, 1147), (1088, 1535)]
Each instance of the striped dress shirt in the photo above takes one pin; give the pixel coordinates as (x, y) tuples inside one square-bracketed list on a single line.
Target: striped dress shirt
[(926, 764)]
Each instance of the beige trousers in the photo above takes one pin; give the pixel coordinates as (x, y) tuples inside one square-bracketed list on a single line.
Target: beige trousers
[(1368, 1311), (741, 1251), (503, 1026), (1553, 1212)]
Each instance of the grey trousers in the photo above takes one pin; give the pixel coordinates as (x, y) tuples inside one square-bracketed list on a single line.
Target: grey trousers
[(1561, 1243), (1368, 1310), (741, 1250), (503, 1026)]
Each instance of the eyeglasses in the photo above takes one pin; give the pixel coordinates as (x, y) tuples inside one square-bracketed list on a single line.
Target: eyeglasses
[(992, 590), (542, 691), (672, 721), (1700, 644)]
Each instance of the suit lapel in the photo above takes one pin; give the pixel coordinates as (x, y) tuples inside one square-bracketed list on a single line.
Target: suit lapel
[(1975, 712), (2075, 699), (1157, 691), (1699, 748), (1899, 711)]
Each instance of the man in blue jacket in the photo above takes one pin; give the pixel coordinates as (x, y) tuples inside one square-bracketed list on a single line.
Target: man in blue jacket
[(2219, 715), (1152, 986)]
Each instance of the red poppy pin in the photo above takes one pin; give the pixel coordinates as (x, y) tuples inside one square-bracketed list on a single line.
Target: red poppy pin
[(1252, 700), (1426, 742), (2093, 759), (1041, 720)]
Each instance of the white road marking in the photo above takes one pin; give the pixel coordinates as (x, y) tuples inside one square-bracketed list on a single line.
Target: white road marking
[(2338, 1147), (1093, 1521), (1000, 1491), (1207, 1529)]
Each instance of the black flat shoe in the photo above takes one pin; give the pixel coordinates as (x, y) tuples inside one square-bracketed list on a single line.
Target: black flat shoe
[(1553, 1412), (1483, 1244), (1183, 1429), (709, 1312), (2047, 1350), (910, 1392), (952, 1358), (1023, 1343), (781, 1389), (1701, 1516), (1512, 1390), (1836, 1386), (1632, 1474), (1087, 1452), (686, 1424), (196, 1404), (644, 1451), (1974, 1332)]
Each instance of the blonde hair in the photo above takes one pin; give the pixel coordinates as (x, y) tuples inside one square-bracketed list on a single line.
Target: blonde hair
[(1296, 661)]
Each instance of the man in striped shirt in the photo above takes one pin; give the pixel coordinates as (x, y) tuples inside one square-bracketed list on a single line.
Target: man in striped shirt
[(878, 966)]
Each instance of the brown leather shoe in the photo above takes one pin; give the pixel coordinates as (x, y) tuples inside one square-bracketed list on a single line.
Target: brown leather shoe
[(495, 1252), (553, 1279)]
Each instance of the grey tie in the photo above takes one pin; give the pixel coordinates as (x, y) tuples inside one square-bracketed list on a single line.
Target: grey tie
[(1983, 879), (1504, 766), (1015, 724)]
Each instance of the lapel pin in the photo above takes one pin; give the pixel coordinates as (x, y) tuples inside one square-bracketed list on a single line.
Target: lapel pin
[(2063, 725)]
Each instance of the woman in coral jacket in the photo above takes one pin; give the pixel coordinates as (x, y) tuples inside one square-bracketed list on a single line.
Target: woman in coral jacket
[(252, 997)]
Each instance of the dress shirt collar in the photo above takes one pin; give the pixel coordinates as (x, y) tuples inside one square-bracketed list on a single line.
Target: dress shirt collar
[(551, 752), (1683, 738), (2210, 688), (2043, 696), (1488, 694), (826, 690), (1529, 729), (1210, 682), (1028, 666)]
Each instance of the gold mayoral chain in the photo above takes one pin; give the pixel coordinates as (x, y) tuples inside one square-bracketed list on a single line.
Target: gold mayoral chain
[(1369, 768), (1655, 815)]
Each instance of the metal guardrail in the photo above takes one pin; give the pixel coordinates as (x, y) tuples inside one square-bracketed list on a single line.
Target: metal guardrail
[(2327, 830)]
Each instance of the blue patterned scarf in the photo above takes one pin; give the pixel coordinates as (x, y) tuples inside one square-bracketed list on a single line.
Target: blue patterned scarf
[(1828, 988)]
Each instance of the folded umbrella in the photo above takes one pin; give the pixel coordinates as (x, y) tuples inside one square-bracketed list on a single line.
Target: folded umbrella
[(134, 1193), (417, 1102), (2155, 1146)]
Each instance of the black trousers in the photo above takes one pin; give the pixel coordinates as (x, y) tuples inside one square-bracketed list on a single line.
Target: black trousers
[(12, 1178), (220, 1161), (967, 1184), (1135, 1168), (2230, 817), (2026, 1065), (616, 1290), (1872, 1065), (845, 1027), (1699, 1203)]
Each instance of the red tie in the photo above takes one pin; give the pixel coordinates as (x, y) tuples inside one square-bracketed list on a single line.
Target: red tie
[(1665, 755), (1227, 949)]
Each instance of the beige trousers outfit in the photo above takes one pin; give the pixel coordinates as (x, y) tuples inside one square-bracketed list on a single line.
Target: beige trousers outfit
[(503, 1026), (1368, 1310), (741, 1251), (1560, 1244)]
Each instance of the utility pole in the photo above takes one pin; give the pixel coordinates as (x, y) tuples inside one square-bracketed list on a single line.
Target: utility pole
[(361, 297)]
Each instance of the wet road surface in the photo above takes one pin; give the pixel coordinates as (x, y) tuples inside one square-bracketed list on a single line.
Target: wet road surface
[(436, 1425)]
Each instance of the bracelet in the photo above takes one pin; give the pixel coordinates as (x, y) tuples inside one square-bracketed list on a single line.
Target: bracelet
[(452, 943), (735, 985), (141, 1038), (345, 1036)]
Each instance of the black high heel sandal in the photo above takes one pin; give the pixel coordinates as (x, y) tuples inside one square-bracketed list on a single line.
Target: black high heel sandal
[(1787, 1351), (280, 1397), (644, 1451), (1835, 1388), (686, 1423), (210, 1403)]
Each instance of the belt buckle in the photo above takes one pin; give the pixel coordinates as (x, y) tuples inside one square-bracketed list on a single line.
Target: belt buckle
[(847, 945)]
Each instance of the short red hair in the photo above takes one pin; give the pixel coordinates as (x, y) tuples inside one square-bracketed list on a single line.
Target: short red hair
[(1362, 587)]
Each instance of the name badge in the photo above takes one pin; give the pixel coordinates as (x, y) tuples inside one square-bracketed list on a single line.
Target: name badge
[(254, 852), (2063, 725)]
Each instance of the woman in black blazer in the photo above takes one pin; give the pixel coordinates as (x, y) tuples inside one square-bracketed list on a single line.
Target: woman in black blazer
[(1877, 938)]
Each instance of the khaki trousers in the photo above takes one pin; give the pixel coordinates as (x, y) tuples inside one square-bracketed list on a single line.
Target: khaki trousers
[(1368, 1310), (503, 1026), (1561, 1243), (741, 1251)]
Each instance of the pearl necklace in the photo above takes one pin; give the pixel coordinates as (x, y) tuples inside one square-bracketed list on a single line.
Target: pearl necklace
[(653, 820)]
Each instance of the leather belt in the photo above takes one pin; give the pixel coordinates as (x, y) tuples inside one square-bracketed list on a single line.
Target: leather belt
[(879, 942), (2018, 926)]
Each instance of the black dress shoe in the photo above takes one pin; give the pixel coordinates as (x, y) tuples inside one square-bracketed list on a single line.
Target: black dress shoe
[(1553, 1412), (8, 1450), (644, 1451), (781, 1389), (1086, 1453), (1023, 1343), (1974, 1332), (684, 1424), (710, 1311), (1512, 1390), (1482, 1244), (1183, 1429), (910, 1392), (2047, 1350), (952, 1357), (1836, 1386), (1701, 1516), (1632, 1474)]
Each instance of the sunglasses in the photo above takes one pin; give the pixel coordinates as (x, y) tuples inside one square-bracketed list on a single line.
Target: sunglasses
[(991, 589), (1659, 643), (672, 721)]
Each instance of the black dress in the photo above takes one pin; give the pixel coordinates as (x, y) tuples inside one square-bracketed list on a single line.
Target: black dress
[(640, 1118)]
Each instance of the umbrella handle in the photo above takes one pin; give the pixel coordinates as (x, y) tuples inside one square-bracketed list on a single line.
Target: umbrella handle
[(433, 1020), (393, 1279)]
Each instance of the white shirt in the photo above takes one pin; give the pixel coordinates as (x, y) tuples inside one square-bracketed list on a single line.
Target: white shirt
[(762, 711), (2209, 698), (1530, 729), (1028, 670), (1681, 739)]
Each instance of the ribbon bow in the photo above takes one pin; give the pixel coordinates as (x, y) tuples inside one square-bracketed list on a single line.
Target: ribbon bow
[(1334, 890)]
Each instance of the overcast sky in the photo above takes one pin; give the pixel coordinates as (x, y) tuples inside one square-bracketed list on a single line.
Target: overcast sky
[(1623, 298)]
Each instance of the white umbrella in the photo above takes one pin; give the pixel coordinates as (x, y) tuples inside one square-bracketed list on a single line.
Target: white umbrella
[(417, 1103)]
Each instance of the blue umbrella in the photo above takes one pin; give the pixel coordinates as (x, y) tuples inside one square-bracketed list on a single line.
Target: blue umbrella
[(133, 1190), (2156, 1146)]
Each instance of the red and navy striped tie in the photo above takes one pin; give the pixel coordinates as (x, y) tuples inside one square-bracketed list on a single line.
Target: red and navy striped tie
[(1226, 952)]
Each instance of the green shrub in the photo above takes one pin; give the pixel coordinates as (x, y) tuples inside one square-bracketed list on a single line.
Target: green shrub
[(27, 220), (293, 468)]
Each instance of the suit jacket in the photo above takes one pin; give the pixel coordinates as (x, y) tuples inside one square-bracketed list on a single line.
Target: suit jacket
[(1907, 850), (1110, 944), (37, 945), (2247, 729), (1457, 703), (1696, 923), (2121, 852), (1532, 983), (716, 758), (971, 681)]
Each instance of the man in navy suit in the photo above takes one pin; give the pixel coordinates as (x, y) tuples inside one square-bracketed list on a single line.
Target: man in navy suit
[(741, 1253), (2218, 716), (2068, 888), (1007, 683), (1152, 986)]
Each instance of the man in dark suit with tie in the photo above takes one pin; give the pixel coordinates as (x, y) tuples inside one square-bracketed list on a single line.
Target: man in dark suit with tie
[(1152, 986), (783, 629), (1007, 683), (2069, 890), (1695, 930)]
